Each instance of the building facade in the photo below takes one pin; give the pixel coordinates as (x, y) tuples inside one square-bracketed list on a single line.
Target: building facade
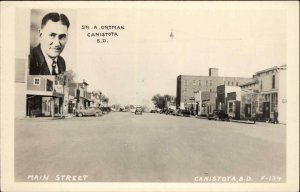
[(187, 85), (44, 95), (20, 88), (229, 100), (266, 94), (79, 98)]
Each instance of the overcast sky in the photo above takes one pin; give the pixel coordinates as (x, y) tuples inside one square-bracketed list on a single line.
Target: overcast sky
[(144, 60)]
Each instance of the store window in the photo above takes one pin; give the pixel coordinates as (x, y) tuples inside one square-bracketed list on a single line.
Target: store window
[(274, 101), (230, 107)]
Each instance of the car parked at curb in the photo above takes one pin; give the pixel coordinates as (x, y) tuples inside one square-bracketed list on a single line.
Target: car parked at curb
[(138, 111), (219, 115), (90, 111), (154, 111), (186, 113)]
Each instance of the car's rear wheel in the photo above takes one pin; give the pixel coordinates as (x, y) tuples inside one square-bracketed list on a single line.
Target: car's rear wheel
[(80, 114)]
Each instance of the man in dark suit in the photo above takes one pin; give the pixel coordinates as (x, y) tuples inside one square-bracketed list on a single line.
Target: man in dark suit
[(45, 58)]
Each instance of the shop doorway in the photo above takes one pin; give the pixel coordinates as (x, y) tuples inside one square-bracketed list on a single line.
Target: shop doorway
[(266, 110), (247, 110)]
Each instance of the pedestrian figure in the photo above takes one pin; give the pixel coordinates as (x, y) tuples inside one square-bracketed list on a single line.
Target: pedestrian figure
[(276, 116)]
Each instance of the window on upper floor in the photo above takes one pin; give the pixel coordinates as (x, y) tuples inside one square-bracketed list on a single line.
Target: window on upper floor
[(185, 82), (36, 81), (49, 86), (194, 82), (273, 81), (237, 83), (200, 82), (210, 82)]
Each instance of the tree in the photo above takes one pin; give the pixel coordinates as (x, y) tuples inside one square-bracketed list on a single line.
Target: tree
[(161, 101), (70, 76), (103, 98)]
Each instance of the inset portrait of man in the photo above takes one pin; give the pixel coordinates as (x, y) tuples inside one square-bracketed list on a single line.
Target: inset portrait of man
[(45, 58)]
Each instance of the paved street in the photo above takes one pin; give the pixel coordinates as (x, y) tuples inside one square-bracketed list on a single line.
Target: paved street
[(123, 147)]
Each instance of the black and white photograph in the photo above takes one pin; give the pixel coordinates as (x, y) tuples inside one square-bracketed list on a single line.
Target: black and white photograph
[(150, 96)]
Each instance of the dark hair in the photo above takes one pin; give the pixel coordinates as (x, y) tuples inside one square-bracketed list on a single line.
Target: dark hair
[(55, 17)]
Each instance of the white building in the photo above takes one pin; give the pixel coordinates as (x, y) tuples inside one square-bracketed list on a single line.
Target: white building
[(266, 93)]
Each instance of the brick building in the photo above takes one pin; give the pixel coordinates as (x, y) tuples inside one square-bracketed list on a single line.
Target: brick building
[(187, 85)]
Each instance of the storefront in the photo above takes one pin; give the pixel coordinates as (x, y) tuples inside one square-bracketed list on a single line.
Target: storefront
[(267, 105), (39, 105)]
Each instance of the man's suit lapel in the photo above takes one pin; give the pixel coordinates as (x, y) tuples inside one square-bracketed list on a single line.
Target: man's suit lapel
[(42, 61), (61, 65)]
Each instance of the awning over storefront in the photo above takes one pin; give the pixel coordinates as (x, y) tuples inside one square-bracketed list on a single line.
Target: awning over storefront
[(45, 93), (270, 91)]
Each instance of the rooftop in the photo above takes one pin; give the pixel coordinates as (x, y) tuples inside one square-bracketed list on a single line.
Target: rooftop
[(270, 69)]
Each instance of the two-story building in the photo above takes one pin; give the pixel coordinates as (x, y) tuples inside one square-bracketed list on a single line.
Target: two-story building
[(266, 94), (44, 95)]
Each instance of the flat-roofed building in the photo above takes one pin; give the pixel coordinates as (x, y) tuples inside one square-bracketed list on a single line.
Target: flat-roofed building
[(188, 84)]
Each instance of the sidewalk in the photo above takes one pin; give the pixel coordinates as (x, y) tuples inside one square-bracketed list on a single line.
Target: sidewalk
[(233, 120), (244, 121), (56, 117)]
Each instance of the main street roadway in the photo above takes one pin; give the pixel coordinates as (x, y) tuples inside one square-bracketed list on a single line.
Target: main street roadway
[(123, 147)]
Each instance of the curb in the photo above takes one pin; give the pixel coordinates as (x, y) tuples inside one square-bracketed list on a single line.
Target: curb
[(236, 121)]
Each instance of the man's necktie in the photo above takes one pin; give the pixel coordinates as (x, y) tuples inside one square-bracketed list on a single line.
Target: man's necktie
[(54, 67)]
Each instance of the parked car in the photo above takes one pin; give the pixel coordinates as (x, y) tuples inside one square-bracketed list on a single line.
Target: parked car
[(169, 111), (176, 112), (185, 113), (105, 110), (90, 111), (138, 111), (219, 115), (153, 111)]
